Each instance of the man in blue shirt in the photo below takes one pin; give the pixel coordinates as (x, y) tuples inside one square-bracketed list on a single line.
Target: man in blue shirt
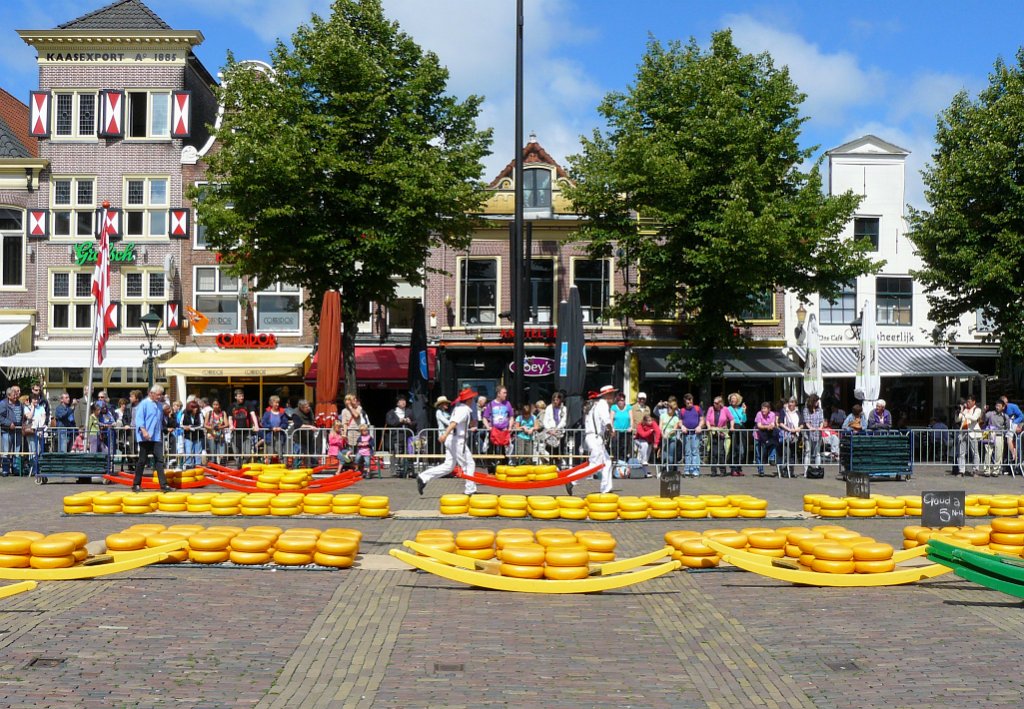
[(149, 425), (65, 416), (1016, 417)]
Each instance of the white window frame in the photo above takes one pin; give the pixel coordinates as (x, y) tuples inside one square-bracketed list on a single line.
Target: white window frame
[(74, 208), (279, 289), (459, 288), (76, 115), (19, 234), (129, 108), (218, 292), (553, 305), (402, 289), (550, 190), (146, 299), (71, 300), (147, 208), (880, 307), (603, 319)]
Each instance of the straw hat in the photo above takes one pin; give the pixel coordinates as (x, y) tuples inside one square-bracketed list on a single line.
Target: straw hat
[(441, 401)]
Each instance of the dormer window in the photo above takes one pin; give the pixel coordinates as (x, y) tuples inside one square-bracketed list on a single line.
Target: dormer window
[(537, 188)]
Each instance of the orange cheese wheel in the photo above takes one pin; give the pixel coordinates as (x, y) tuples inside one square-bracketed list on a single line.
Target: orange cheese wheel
[(160, 538), (854, 541), (126, 541), (700, 562), (482, 554), (26, 534), (807, 559), (52, 547), (891, 512), (52, 562), (576, 514), (566, 573), (672, 538), (557, 540), (79, 538), (924, 535), (567, 556), (1008, 525), (20, 545), (288, 558), (512, 502), (910, 543), (474, 539), (603, 516), (736, 541), (973, 537), (792, 551), (882, 566), (795, 536), (524, 555), (875, 551), (517, 539), (252, 543), (453, 500), (200, 556), (807, 544), (832, 551), (296, 543), (724, 512), (831, 566), (774, 553), (337, 561), (695, 547), (692, 505), (603, 507), (601, 557), (337, 546), (248, 558), (767, 540), (14, 561), (1007, 538), (598, 544), (1012, 549), (837, 535), (207, 541), (573, 503), (521, 571), (440, 545)]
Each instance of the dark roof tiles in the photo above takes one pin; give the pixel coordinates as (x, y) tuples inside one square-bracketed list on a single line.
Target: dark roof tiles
[(119, 15)]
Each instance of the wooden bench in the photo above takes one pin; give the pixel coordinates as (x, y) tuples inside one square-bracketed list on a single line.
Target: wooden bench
[(880, 455), (81, 466)]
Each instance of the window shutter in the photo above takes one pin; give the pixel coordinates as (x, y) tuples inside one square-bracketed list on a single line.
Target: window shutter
[(38, 225), (39, 114), (173, 316), (111, 114), (179, 219), (111, 221), (115, 315), (181, 114)]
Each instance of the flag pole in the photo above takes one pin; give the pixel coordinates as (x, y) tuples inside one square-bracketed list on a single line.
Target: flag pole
[(87, 393)]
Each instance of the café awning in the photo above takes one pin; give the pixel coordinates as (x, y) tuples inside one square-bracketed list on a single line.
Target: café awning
[(920, 361), (750, 363), (381, 364), (69, 359), (236, 363)]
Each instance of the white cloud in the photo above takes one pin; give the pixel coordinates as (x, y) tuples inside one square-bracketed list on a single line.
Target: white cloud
[(834, 81), (926, 96), (268, 20)]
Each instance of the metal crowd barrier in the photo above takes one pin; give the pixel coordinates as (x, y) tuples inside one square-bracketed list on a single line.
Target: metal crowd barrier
[(404, 452)]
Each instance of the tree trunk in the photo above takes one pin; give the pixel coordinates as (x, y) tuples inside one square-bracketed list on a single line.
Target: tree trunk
[(349, 325)]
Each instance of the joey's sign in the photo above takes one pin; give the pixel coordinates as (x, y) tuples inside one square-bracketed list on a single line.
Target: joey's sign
[(535, 366), (227, 341)]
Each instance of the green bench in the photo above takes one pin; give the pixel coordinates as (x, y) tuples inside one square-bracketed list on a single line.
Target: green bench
[(81, 466)]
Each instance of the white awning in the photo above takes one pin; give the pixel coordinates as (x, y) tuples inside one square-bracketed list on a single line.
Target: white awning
[(69, 359), (283, 361), (916, 361), (9, 335)]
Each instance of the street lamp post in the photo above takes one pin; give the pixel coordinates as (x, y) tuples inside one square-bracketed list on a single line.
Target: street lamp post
[(150, 327)]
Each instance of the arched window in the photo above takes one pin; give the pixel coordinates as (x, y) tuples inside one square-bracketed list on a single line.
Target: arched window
[(537, 188), (12, 248)]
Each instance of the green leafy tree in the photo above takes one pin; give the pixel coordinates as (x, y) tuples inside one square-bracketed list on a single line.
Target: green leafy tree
[(972, 239), (344, 166), (703, 146)]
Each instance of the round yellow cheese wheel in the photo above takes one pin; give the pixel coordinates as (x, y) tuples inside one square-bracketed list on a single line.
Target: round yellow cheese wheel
[(474, 539), (857, 503), (832, 551), (973, 537), (337, 546), (347, 510), (736, 541), (853, 512), (700, 562), (566, 573), (524, 555), (208, 541), (14, 561), (767, 540), (602, 497), (521, 571), (875, 551), (874, 567), (567, 556), (250, 543), (285, 511), (573, 514), (287, 558), (374, 502), (168, 507), (77, 509), (692, 505), (833, 503), (225, 511), (482, 554), (79, 538), (910, 543), (248, 558), (596, 544), (317, 509), (695, 547), (52, 562), (830, 566), (483, 511), (911, 531), (337, 561), (724, 512), (1012, 549), (603, 506), (1005, 525), (792, 551), (51, 546), (602, 516), (569, 502), (1006, 538), (200, 556), (20, 545), (483, 502), (295, 543), (676, 537), (380, 511), (752, 504), (773, 553)]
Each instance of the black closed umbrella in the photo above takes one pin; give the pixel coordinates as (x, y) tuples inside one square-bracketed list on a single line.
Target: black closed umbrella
[(570, 351), (419, 375)]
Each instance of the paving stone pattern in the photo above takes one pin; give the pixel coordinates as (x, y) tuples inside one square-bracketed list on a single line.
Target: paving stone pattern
[(180, 636)]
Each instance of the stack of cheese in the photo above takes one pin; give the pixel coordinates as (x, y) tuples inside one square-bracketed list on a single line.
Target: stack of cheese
[(455, 504), (22, 549), (179, 478), (512, 506), (525, 473)]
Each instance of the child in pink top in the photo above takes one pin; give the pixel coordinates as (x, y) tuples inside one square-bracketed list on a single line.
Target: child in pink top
[(335, 442), (365, 446)]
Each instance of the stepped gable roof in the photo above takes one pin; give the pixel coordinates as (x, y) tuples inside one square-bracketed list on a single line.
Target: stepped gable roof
[(533, 154), (119, 15), (15, 141)]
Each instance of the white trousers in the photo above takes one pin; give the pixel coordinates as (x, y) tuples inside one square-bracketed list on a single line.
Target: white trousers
[(599, 456), (456, 452)]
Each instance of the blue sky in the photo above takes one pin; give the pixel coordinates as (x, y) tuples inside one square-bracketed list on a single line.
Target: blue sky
[(868, 67)]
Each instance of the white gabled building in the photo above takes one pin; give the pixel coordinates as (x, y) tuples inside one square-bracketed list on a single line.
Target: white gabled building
[(921, 377)]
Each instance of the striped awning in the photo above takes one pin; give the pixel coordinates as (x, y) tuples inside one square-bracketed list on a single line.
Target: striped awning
[(922, 361)]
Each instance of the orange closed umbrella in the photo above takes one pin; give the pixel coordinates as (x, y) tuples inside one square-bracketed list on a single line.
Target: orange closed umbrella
[(328, 363)]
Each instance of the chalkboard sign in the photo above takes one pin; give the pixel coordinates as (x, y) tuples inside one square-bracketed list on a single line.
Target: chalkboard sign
[(669, 483), (858, 485), (943, 508)]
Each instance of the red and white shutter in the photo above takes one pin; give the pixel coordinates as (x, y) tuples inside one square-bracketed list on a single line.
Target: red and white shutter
[(111, 114), (39, 114), (173, 316), (179, 222), (111, 220), (115, 316), (38, 223), (181, 114)]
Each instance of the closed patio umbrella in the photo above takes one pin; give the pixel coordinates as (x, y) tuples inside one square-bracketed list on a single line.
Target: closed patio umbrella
[(813, 383), (868, 382), (328, 358)]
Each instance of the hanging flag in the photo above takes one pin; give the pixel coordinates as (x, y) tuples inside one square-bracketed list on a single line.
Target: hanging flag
[(198, 320), (101, 286)]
